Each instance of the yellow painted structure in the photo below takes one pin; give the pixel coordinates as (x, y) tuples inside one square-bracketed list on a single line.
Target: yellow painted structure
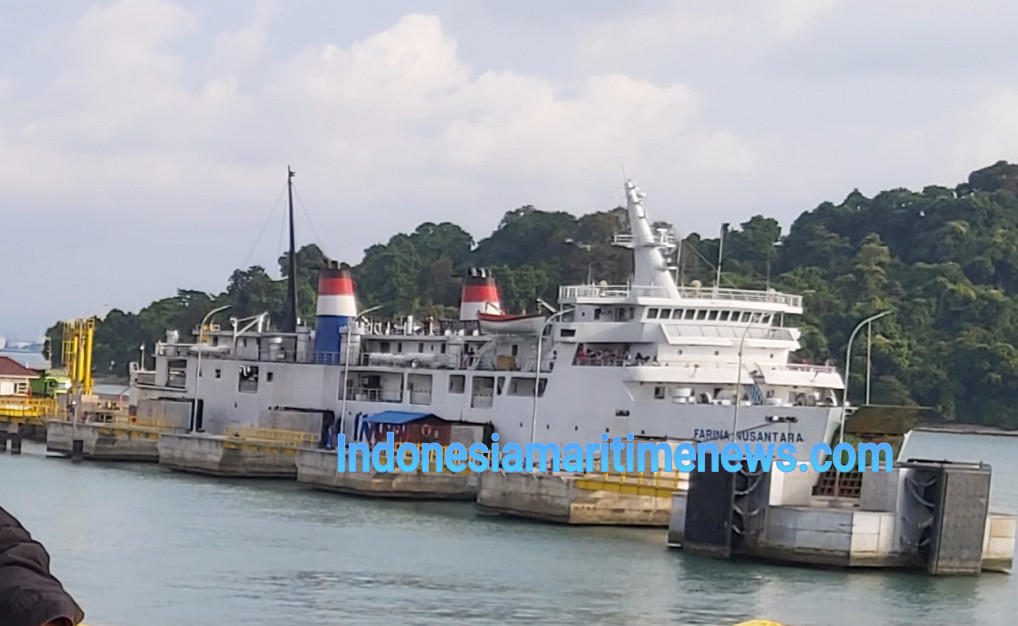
[(658, 484), (26, 410), (77, 354)]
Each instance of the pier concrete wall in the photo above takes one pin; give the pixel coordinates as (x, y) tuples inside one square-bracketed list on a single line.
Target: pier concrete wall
[(999, 542), (317, 468), (876, 530), (220, 456), (560, 498), (104, 441)]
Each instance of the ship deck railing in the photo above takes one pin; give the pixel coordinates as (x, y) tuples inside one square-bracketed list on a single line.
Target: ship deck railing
[(624, 292), (140, 424), (372, 394), (124, 421), (22, 408), (274, 436), (652, 361)]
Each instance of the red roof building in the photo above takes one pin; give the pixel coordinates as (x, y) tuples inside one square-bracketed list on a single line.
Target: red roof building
[(14, 377)]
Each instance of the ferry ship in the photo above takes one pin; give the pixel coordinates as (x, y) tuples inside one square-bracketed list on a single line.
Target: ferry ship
[(649, 357)]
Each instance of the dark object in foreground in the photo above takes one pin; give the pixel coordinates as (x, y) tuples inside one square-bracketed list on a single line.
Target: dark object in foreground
[(29, 594)]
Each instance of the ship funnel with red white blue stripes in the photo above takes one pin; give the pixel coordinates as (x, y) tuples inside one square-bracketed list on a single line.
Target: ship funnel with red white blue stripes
[(480, 295), (336, 308)]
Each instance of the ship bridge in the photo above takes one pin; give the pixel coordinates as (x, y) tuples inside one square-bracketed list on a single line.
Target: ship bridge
[(653, 287)]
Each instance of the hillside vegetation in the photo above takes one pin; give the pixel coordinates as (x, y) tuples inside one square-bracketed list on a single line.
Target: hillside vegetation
[(945, 260)]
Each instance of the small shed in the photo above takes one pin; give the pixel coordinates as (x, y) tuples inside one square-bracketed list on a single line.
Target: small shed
[(414, 427)]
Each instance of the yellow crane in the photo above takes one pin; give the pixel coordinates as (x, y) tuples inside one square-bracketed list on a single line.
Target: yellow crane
[(77, 354)]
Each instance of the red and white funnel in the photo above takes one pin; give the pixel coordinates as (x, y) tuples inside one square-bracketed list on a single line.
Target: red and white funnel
[(480, 295), (337, 307)]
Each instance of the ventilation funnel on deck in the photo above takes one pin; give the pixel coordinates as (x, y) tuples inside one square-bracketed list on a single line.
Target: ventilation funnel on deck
[(336, 308), (480, 295)]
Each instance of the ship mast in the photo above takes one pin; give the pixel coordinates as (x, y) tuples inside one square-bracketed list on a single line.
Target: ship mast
[(649, 266), (290, 323)]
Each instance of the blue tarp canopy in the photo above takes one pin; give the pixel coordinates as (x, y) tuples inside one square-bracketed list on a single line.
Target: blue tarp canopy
[(397, 417)]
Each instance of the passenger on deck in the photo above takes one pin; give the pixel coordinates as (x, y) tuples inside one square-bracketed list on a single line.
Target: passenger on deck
[(29, 594)]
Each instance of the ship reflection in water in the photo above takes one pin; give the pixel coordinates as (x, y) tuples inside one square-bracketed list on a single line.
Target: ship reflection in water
[(138, 544)]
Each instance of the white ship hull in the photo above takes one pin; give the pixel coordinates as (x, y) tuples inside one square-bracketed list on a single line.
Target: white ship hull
[(578, 405), (650, 358)]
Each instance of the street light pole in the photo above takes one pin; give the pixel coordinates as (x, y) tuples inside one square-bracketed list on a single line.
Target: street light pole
[(197, 374), (844, 400), (848, 368), (537, 371), (346, 363), (869, 359)]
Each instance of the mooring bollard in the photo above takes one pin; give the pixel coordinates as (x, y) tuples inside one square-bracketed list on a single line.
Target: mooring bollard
[(77, 449), (15, 442)]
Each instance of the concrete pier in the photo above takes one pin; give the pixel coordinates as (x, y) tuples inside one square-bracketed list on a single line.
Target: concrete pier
[(242, 452), (32, 430), (582, 499), (106, 441), (931, 515), (317, 468)]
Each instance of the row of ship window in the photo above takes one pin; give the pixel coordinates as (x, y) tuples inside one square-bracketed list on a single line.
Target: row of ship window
[(710, 315)]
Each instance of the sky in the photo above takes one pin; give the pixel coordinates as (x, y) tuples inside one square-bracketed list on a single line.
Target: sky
[(144, 143)]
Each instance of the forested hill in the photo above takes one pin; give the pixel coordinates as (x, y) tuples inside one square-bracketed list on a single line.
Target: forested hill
[(944, 259)]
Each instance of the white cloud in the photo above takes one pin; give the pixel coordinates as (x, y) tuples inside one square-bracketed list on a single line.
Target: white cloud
[(639, 36), (719, 113), (790, 17), (975, 136), (236, 49), (397, 73), (525, 126), (390, 121), (7, 86)]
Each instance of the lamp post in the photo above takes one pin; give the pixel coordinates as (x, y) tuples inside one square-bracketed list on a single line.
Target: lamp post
[(844, 400), (346, 363), (142, 348), (738, 378), (197, 374), (848, 367), (869, 359), (537, 371)]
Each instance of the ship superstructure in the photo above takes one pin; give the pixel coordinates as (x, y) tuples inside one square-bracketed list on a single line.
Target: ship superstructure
[(649, 357)]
